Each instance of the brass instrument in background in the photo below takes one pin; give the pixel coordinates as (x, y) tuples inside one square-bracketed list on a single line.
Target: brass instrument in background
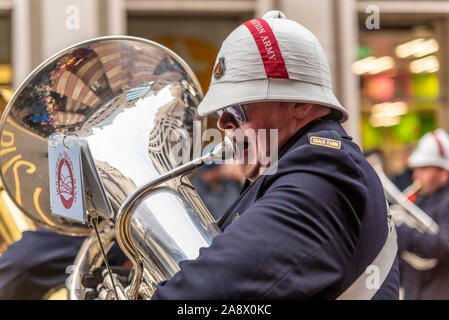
[(12, 221), (402, 209), (135, 102)]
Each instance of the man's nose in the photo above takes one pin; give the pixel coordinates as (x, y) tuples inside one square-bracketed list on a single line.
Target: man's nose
[(225, 122)]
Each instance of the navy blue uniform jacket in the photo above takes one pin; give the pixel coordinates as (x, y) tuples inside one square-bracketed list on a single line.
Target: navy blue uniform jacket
[(432, 283), (306, 232), (38, 262)]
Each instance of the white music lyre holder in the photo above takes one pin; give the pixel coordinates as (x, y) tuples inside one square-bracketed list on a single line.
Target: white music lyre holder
[(76, 189)]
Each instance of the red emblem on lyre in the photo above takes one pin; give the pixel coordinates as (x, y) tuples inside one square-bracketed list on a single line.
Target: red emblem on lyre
[(65, 187)]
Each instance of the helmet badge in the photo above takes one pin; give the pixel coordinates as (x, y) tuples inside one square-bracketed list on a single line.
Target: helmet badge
[(219, 68)]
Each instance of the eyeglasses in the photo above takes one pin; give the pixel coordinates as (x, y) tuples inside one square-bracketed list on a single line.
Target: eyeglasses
[(236, 113)]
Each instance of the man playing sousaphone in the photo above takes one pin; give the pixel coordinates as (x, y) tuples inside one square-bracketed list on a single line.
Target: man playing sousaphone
[(314, 223)]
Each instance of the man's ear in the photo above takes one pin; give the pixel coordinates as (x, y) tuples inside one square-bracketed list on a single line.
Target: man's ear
[(302, 110)]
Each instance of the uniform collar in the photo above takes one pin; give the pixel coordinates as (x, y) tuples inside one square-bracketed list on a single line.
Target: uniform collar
[(316, 125), (299, 138)]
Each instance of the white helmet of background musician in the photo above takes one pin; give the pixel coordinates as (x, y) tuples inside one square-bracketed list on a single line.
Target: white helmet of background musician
[(432, 150), (274, 59)]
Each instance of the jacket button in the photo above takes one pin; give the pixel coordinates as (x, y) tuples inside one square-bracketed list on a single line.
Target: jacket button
[(235, 217)]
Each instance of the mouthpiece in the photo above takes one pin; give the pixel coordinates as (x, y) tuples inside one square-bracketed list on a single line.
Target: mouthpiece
[(221, 152)]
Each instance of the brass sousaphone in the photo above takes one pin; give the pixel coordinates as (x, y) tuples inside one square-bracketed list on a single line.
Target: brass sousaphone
[(134, 101)]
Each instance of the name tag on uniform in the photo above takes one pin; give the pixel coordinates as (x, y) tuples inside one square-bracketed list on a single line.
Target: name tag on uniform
[(325, 142)]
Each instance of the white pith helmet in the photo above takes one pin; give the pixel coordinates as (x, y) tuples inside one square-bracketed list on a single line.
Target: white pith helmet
[(432, 150), (272, 59)]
